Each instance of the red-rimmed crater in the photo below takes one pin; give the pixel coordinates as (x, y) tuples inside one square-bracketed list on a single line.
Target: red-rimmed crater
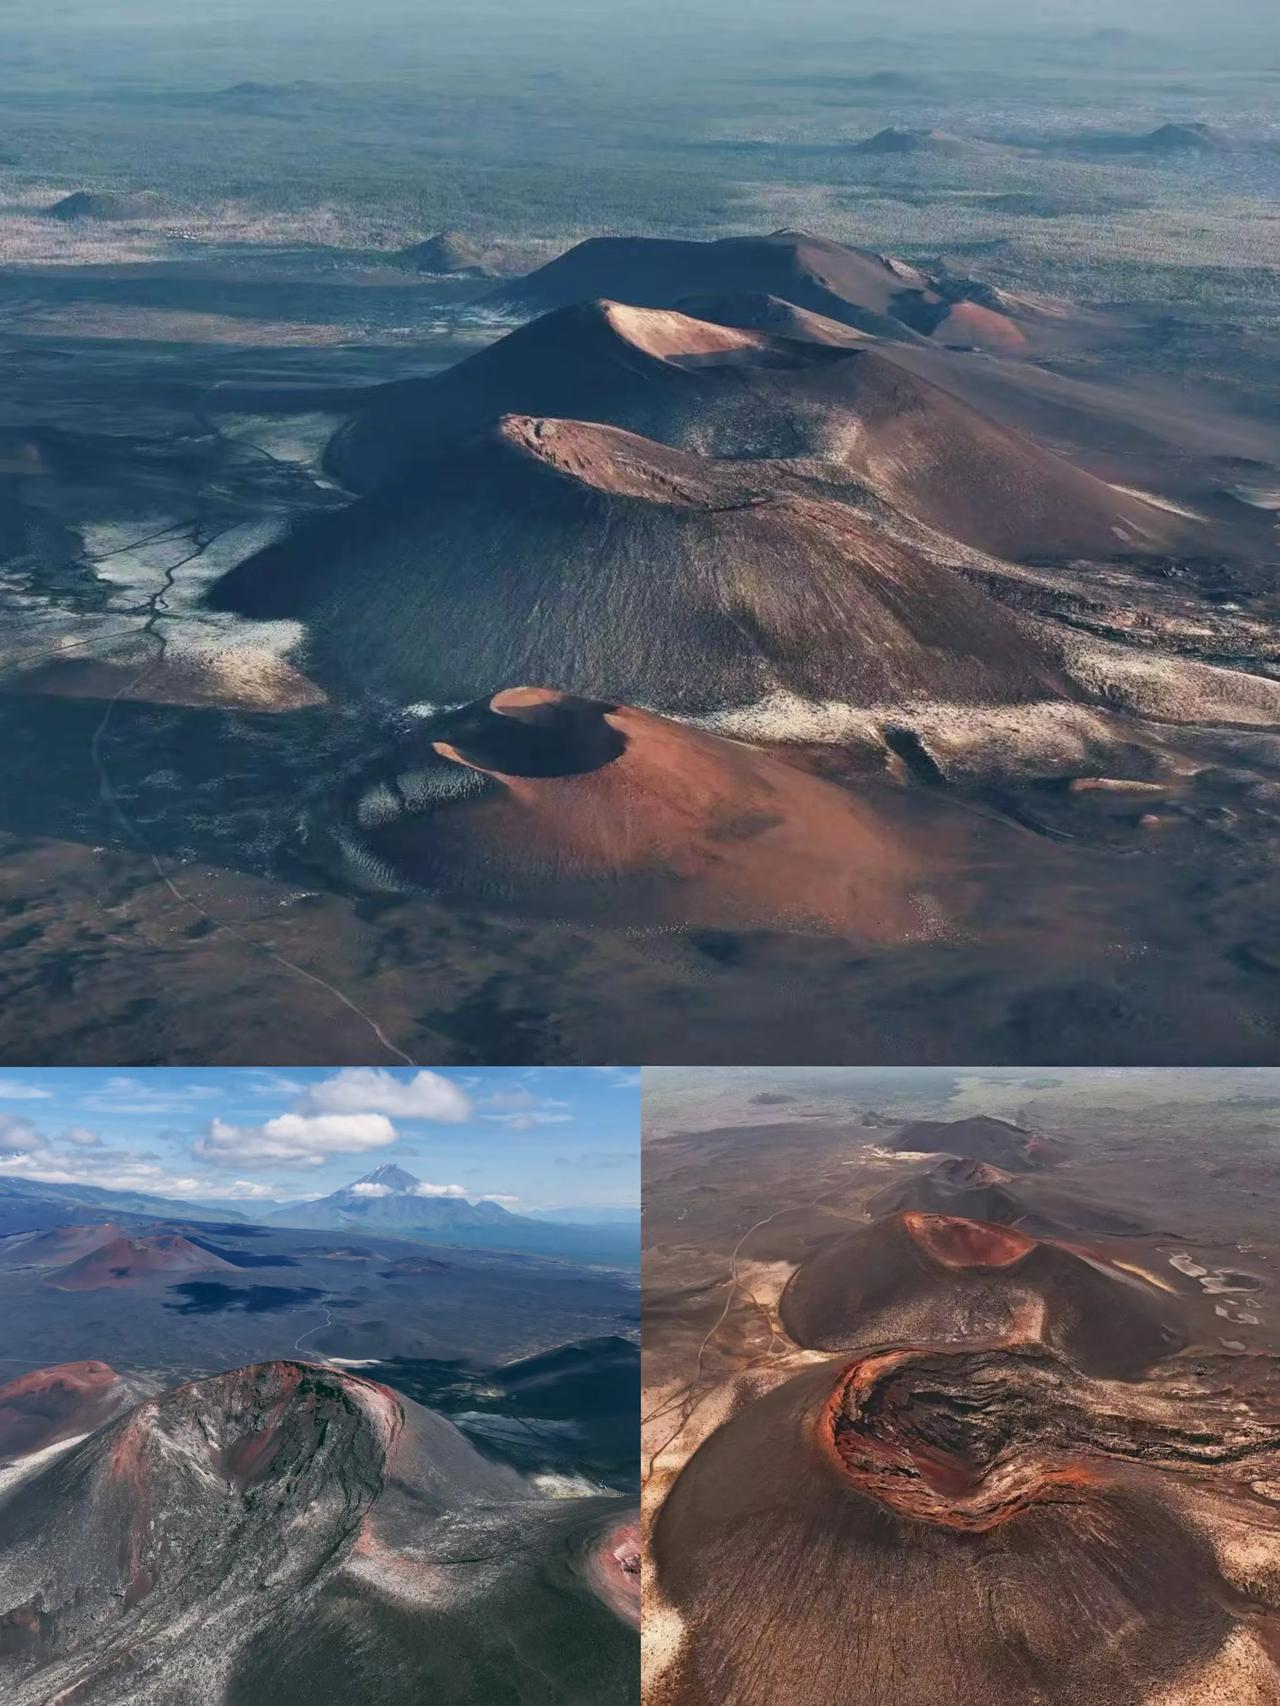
[(189, 1489), (963, 1441), (959, 1243), (936, 1279), (597, 810), (948, 1524)]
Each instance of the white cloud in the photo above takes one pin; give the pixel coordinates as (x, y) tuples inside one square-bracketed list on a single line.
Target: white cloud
[(365, 1189), (22, 1090), (521, 1110), (121, 1094), (527, 1121), (238, 1190), (372, 1089), (265, 1083), (497, 1196), (106, 1169), (16, 1130), (294, 1140), (423, 1189), (514, 1098), (82, 1137)]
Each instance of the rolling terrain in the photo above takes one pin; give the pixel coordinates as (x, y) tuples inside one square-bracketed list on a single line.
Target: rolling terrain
[(150, 1559), (223, 1439), (911, 452), (604, 809), (1002, 1453), (392, 1202)]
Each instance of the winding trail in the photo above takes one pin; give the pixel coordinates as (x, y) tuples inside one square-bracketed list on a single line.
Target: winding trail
[(686, 1392), (109, 798), (323, 1306)]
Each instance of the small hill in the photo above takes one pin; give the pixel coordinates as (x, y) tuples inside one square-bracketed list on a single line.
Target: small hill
[(409, 1266), (931, 1279), (132, 1261), (895, 140), (981, 1138), (107, 205), (957, 1186), (747, 394), (1181, 138), (854, 286), (978, 1190), (451, 254), (599, 811), (65, 1244), (50, 1405)]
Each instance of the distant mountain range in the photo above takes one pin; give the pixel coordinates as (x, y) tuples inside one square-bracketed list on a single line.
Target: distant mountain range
[(587, 1216), (392, 1202), (29, 1205), (388, 1201)]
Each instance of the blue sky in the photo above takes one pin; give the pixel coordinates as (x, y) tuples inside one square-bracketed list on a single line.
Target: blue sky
[(531, 1137)]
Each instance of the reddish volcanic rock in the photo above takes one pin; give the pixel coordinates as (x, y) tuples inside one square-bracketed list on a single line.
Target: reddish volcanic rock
[(591, 807), (654, 574), (858, 287), (960, 1243), (64, 1244), (972, 323), (253, 1536), (931, 1279), (950, 1523), (52, 1404), (127, 1261), (614, 1568), (179, 1504)]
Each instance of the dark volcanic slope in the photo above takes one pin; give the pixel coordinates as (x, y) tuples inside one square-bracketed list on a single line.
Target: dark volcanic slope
[(898, 140), (451, 254), (106, 204), (713, 389), (746, 393), (963, 1525), (62, 1245), (178, 1506), (52, 1404), (957, 1185), (759, 312), (870, 291), (931, 1278), (555, 551), (981, 1138), (596, 809), (977, 1190), (256, 1535)]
